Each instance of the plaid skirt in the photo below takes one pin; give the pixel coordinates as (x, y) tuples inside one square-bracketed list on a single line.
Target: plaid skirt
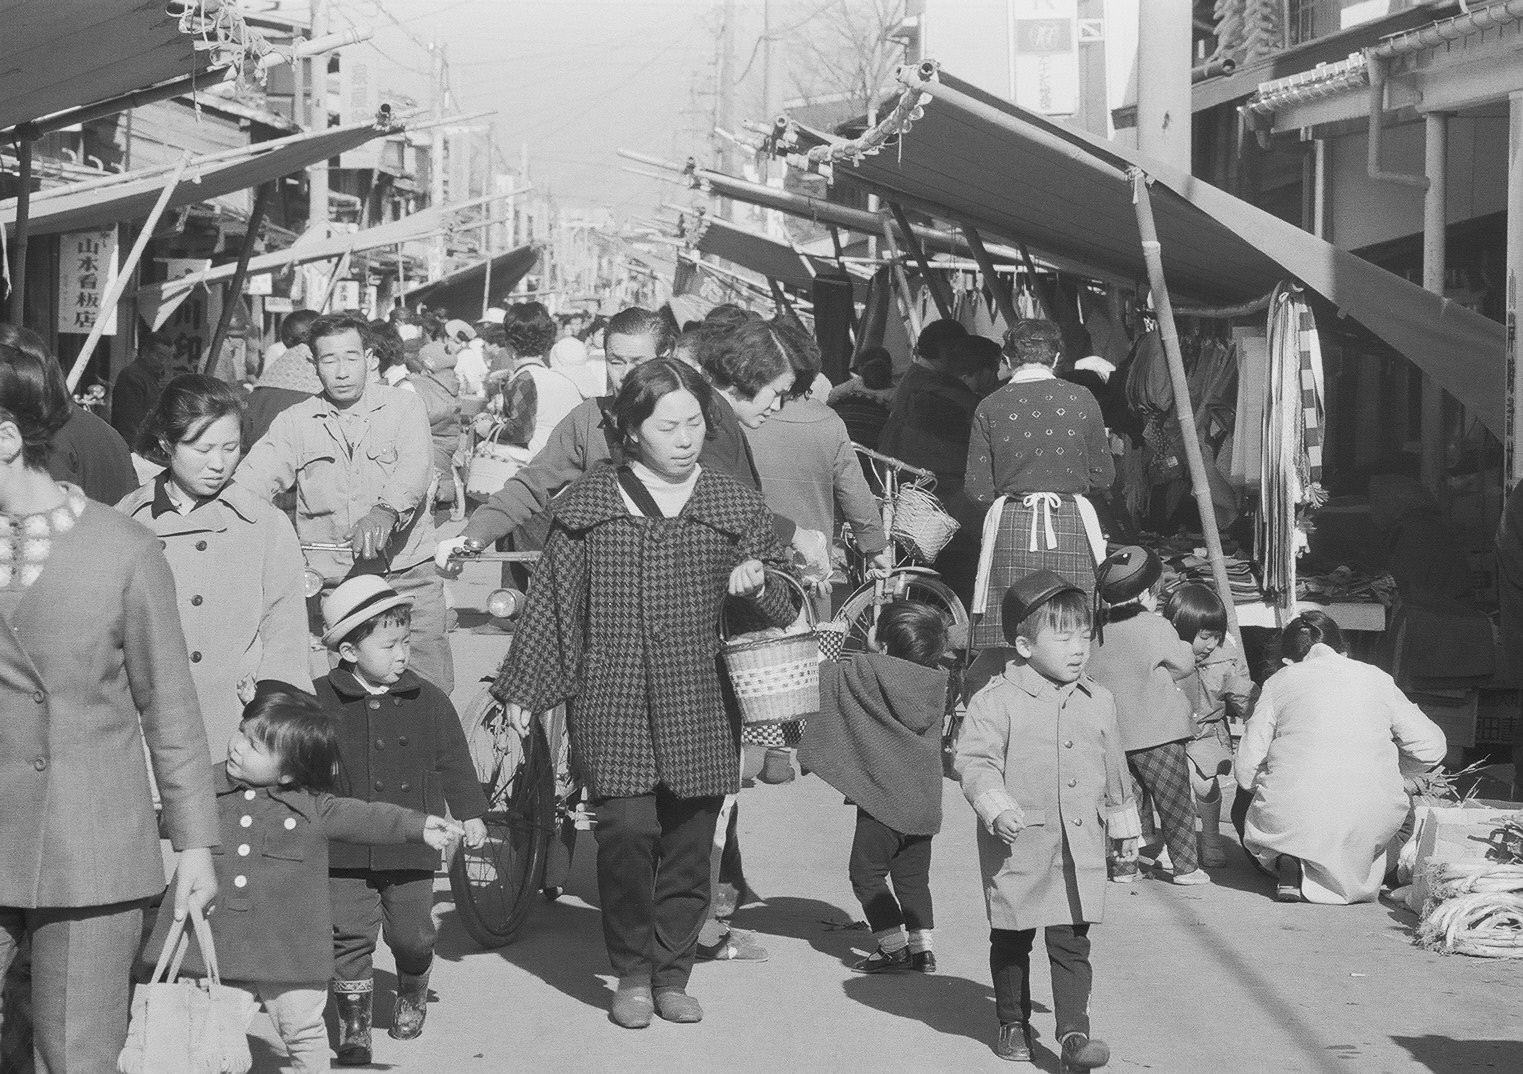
[(1012, 558)]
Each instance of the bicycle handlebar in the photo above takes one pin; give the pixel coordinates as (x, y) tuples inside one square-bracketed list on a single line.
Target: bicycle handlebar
[(897, 464)]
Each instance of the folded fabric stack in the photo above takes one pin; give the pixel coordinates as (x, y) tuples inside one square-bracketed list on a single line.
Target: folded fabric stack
[(1348, 586)]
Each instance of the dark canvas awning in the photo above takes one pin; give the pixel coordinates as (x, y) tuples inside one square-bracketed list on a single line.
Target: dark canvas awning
[(973, 158), (131, 197), (460, 292), (60, 54), (760, 253)]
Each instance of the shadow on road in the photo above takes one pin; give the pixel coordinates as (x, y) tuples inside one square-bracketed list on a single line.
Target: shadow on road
[(1445, 1055)]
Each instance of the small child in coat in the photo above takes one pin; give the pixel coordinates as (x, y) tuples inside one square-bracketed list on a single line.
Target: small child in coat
[(877, 740), (1219, 691), (400, 741), (277, 814), (1139, 658), (1040, 760)]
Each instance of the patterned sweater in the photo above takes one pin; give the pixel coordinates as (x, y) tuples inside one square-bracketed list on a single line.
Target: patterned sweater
[(1038, 434)]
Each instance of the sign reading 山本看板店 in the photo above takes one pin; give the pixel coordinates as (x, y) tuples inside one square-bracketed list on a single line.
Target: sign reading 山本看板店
[(87, 265)]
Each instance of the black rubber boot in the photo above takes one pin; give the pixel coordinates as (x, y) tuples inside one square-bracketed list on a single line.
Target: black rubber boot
[(412, 1006), (354, 1002)]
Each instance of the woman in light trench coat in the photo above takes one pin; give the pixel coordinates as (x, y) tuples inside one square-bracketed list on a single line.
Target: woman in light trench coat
[(237, 565)]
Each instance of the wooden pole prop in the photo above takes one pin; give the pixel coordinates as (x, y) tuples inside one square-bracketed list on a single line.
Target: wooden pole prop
[(933, 280), (340, 267), (23, 222), (235, 287), (1152, 252), (1002, 297), (907, 299), (114, 291)]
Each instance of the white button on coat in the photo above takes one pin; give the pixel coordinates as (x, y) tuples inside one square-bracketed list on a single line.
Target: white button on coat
[(243, 851), (240, 881), (249, 795), (290, 823), (245, 821)]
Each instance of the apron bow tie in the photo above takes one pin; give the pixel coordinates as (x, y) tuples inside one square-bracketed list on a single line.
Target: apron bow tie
[(1042, 503)]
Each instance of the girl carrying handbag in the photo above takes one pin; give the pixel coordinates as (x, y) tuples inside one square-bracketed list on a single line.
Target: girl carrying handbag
[(189, 1026)]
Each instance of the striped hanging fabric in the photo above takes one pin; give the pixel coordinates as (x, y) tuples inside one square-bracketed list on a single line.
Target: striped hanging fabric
[(1291, 461)]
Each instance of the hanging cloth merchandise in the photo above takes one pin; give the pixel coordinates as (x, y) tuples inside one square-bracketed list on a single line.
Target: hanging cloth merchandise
[(966, 308), (925, 304), (1291, 464), (983, 321)]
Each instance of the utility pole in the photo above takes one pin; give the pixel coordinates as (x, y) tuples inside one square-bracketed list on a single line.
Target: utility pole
[(437, 150), (317, 175), (726, 97)]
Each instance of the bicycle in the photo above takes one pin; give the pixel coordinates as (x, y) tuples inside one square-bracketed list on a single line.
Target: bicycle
[(906, 579), (531, 796)]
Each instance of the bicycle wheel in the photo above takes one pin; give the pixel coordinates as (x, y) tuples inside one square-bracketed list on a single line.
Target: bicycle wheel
[(494, 884), (857, 614)]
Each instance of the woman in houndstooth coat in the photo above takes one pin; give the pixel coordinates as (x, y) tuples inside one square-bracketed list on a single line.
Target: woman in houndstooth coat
[(622, 624)]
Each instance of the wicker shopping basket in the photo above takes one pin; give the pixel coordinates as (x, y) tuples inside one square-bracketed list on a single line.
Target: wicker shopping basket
[(921, 524), (775, 679)]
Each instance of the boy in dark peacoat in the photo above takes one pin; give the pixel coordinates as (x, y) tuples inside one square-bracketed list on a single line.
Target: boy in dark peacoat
[(400, 741)]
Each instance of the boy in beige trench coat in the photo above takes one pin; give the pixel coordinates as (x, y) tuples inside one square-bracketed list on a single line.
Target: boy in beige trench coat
[(1040, 760)]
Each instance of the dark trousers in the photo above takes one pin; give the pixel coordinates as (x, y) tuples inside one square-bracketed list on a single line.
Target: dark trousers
[(878, 854), (1072, 975), (653, 880), (1164, 772), (397, 904), (81, 981)]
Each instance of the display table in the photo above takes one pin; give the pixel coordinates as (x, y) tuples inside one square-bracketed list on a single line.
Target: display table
[(1361, 616)]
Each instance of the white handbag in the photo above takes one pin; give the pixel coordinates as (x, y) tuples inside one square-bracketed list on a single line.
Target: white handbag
[(493, 463)]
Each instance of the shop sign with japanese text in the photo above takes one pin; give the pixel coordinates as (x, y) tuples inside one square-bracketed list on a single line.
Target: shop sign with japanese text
[(1046, 53), (87, 265)]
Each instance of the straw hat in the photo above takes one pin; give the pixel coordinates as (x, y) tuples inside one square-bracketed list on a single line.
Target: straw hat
[(353, 602)]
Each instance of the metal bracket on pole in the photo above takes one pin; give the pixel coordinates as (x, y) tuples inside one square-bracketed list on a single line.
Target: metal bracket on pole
[(1184, 411), (119, 285)]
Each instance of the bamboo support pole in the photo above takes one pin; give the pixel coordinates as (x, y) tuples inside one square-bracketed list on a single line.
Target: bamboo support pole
[(1002, 297), (932, 280), (1152, 252), (902, 283), (235, 288)]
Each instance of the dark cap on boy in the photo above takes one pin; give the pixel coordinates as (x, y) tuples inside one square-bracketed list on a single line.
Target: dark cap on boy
[(1028, 594), (1127, 573)]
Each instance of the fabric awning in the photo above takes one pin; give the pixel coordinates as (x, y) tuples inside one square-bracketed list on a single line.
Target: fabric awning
[(60, 54), (973, 158), (61, 209), (760, 253), (416, 226), (460, 292)]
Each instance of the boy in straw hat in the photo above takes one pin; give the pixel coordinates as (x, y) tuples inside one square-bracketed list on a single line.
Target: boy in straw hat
[(1040, 760), (400, 741)]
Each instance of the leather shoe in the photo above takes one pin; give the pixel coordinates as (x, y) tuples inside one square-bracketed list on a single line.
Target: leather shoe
[(923, 961), (1014, 1042), (1082, 1053), (881, 961)]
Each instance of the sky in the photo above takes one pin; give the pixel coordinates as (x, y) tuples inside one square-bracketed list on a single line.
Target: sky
[(574, 79)]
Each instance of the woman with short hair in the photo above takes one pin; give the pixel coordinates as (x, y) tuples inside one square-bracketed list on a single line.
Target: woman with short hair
[(237, 566), (1321, 767), (621, 625)]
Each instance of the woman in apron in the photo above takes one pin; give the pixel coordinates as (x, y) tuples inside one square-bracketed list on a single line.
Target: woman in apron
[(1038, 449)]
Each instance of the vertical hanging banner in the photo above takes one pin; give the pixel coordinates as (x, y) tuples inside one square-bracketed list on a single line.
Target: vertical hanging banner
[(87, 266), (1045, 54)]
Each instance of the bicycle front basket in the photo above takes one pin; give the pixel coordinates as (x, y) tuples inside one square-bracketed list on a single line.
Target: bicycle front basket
[(921, 524)]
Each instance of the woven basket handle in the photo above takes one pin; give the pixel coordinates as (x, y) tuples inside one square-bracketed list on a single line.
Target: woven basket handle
[(808, 605)]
